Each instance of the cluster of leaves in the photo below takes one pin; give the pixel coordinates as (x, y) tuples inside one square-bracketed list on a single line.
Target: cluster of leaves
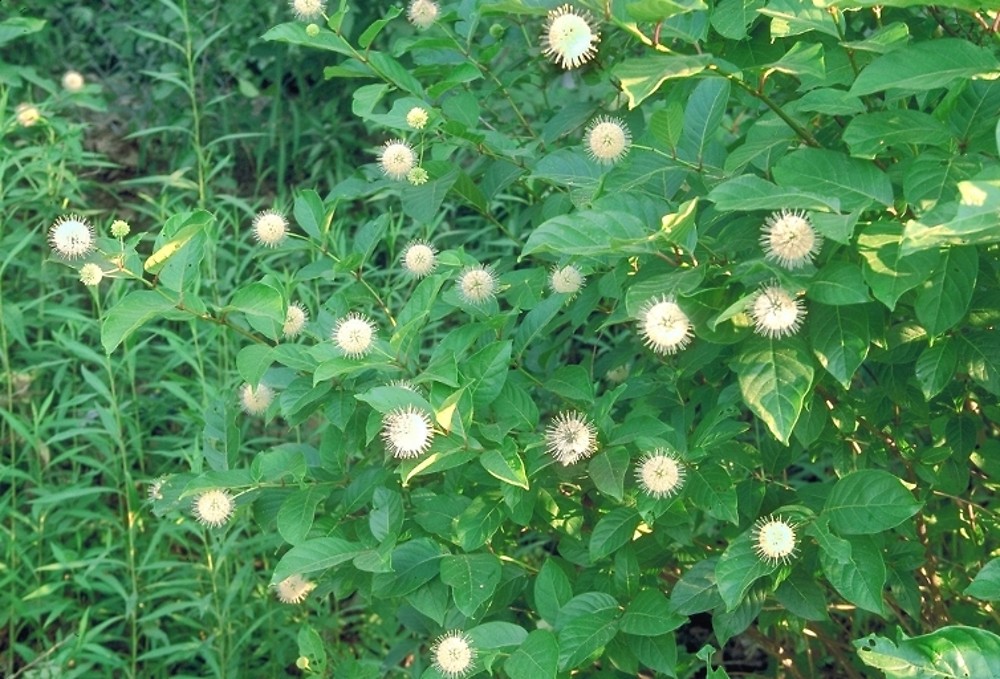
[(871, 430)]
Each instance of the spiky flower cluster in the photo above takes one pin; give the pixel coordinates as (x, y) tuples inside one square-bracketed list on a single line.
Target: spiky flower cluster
[(775, 312), (214, 508), (571, 437), (120, 228), (295, 320), (567, 280), (255, 400), (27, 115), (774, 540), (397, 159), (453, 654), (307, 10), (407, 432), (422, 13), (570, 39), (72, 82), (788, 238), (354, 335), (664, 326), (417, 118), (91, 274), (660, 474), (419, 258), (477, 284), (608, 140), (71, 237), (270, 228), (294, 589)]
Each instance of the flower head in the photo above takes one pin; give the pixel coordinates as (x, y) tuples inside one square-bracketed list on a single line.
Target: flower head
[(72, 81), (788, 238), (477, 284), (419, 258), (71, 236), (295, 320), (120, 228), (27, 114), (397, 159), (417, 118), (255, 400), (91, 274), (453, 655), (608, 140), (354, 335), (776, 313), (155, 489), (270, 228), (570, 39), (214, 507), (294, 589), (660, 474), (422, 13), (664, 326), (307, 10), (571, 437), (417, 176), (567, 280), (774, 539), (407, 432), (312, 30)]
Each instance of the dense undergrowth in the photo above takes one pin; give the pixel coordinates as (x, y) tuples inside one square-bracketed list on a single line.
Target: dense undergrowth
[(511, 337)]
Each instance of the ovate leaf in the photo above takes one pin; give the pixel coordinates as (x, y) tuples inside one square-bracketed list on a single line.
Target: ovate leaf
[(857, 184), (586, 623), (473, 579), (134, 310), (948, 653), (537, 657), (775, 376), (869, 501), (924, 66), (640, 78), (945, 298), (861, 578), (840, 339)]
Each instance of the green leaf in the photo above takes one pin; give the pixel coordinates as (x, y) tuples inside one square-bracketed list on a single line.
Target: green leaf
[(263, 306), (310, 213), (552, 591), (536, 658), (477, 524), (696, 591), (933, 176), (386, 517), (680, 228), (650, 615), (871, 134), (132, 312), (869, 501), (775, 376), (294, 33), (586, 623), (924, 66), (856, 183), (504, 463), (413, 563), (314, 555), (802, 59), (838, 284), (750, 192), (486, 372), (569, 167), (641, 77), (607, 470), (18, 27), (792, 17), (473, 579), (986, 585), (840, 340), (732, 18), (590, 233), (945, 298), (981, 353), (658, 10), (368, 36), (612, 532), (971, 221), (657, 653), (297, 513), (253, 361), (935, 367), (800, 595), (572, 382), (887, 270), (738, 568), (948, 653), (861, 578), (703, 116), (710, 488)]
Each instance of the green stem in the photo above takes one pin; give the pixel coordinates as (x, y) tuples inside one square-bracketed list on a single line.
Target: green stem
[(802, 132)]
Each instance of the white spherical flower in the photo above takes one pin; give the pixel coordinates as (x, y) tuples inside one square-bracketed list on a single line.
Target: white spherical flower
[(27, 115), (155, 489), (571, 437), (407, 432), (567, 280), (660, 474), (295, 320), (397, 159), (419, 258), (354, 335), (788, 238), (774, 540), (214, 507), (453, 655), (91, 274), (477, 284), (569, 37), (71, 236), (775, 312), (664, 326), (608, 140), (294, 589), (255, 400), (307, 10), (417, 118), (72, 81), (270, 228), (422, 13)]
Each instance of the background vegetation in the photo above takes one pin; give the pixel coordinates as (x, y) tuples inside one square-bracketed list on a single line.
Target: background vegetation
[(872, 429)]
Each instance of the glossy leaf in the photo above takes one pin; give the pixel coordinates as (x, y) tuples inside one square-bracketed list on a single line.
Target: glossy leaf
[(775, 376), (951, 652), (924, 66), (869, 501), (840, 339)]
